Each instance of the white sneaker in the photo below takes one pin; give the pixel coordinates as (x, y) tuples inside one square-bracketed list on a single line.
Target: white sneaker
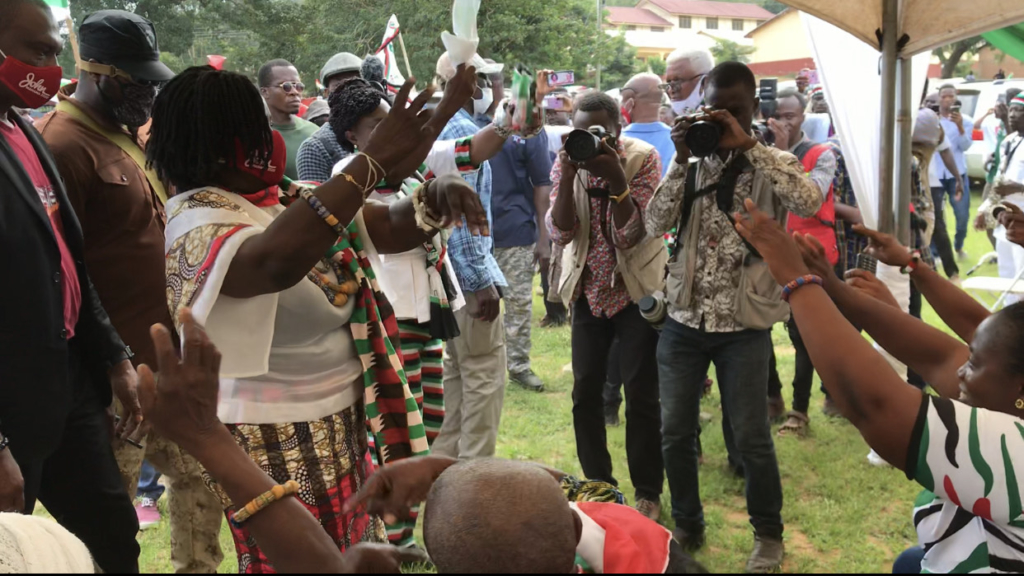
[(875, 460)]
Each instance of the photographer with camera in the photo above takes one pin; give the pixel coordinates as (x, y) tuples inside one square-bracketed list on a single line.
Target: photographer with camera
[(722, 300), (602, 182)]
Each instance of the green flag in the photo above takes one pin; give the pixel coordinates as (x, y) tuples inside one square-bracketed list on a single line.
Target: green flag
[(57, 3)]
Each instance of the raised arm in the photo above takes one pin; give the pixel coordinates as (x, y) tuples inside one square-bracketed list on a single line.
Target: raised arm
[(790, 184), (868, 392), (393, 228), (284, 253), (962, 313), (183, 408), (931, 353), (562, 221), (666, 206)]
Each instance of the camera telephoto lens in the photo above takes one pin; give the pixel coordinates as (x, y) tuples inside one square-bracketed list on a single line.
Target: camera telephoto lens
[(581, 145), (702, 138)]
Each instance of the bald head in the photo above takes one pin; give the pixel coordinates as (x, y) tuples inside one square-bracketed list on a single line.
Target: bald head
[(488, 516), (642, 97)]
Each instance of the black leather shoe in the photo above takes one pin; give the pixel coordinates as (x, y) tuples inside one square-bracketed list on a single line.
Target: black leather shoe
[(689, 542), (528, 380), (767, 555)]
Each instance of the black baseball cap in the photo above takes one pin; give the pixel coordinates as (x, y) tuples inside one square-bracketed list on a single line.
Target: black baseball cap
[(124, 40)]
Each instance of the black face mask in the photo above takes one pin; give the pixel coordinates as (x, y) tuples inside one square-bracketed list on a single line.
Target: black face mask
[(136, 104)]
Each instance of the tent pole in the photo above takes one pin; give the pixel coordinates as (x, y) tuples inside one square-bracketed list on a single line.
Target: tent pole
[(904, 122), (887, 148)]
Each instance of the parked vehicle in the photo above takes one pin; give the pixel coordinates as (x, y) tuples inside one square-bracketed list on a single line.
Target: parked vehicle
[(976, 99)]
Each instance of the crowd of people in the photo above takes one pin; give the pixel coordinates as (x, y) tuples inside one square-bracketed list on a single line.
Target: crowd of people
[(307, 324)]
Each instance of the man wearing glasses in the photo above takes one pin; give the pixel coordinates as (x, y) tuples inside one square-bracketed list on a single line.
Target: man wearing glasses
[(282, 90), (685, 79), (97, 135)]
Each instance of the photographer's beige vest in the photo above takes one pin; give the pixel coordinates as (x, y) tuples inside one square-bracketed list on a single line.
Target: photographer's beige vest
[(642, 268), (758, 304)]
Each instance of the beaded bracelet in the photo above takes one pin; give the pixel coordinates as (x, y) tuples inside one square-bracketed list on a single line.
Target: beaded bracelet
[(426, 221), (793, 286), (915, 261), (323, 212), (263, 500)]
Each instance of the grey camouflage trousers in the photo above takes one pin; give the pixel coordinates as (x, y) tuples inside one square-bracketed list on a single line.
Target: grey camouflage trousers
[(195, 512), (516, 264)]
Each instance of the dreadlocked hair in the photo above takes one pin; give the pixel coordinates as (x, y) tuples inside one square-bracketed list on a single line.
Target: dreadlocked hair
[(348, 105), (198, 120)]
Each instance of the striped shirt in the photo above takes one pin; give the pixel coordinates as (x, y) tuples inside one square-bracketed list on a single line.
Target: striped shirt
[(969, 518)]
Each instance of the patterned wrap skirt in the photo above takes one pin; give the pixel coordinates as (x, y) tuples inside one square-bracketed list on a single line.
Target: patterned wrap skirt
[(330, 461)]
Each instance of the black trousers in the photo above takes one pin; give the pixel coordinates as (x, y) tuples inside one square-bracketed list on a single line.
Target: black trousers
[(78, 480), (638, 343)]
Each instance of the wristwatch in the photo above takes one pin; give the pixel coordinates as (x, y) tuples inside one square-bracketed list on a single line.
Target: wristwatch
[(618, 199), (125, 354)]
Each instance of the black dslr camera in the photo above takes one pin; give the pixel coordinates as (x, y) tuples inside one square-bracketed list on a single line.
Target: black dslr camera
[(703, 136), (583, 145)]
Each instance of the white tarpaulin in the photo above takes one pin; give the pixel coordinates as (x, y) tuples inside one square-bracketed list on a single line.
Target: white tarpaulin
[(927, 23), (849, 72)]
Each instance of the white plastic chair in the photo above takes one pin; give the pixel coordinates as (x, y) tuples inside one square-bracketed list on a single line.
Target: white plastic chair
[(993, 285)]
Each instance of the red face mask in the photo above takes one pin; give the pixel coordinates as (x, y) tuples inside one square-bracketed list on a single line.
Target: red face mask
[(273, 172), (35, 86)]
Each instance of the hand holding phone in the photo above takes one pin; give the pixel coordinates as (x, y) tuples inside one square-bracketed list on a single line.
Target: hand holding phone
[(867, 262), (562, 78)]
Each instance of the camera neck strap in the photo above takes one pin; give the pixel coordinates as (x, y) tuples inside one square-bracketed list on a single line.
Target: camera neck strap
[(724, 190)]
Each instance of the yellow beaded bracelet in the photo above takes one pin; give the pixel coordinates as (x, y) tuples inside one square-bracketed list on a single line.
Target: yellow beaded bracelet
[(263, 500)]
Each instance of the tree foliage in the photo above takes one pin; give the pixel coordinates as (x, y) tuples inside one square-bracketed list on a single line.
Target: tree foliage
[(951, 54), (562, 35), (729, 51)]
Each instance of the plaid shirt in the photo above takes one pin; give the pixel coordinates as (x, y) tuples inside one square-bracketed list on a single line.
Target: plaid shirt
[(473, 256), (842, 192), (318, 155)]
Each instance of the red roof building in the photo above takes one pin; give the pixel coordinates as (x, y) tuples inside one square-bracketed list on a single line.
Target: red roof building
[(658, 27)]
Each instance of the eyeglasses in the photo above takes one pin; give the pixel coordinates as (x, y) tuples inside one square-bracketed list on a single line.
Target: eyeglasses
[(678, 84), (290, 86)]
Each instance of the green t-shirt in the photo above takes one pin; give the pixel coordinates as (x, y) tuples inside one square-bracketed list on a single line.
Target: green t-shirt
[(294, 135)]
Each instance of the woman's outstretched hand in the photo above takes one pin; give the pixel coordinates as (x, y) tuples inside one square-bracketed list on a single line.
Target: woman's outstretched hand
[(454, 199), (886, 248), (457, 92), (777, 248), (405, 130), (814, 256), (396, 487), (868, 284), (182, 405)]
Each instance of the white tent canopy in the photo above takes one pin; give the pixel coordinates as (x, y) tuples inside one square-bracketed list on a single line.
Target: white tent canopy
[(927, 23), (848, 70)]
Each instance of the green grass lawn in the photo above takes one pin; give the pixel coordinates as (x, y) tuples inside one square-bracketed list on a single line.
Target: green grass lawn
[(841, 514)]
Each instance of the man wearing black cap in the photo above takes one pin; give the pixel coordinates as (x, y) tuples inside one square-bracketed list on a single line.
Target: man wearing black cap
[(59, 354), (321, 151), (95, 137)]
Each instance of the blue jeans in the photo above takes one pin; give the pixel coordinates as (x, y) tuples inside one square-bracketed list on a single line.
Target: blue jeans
[(741, 362), (961, 210), (148, 485), (909, 562)]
